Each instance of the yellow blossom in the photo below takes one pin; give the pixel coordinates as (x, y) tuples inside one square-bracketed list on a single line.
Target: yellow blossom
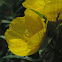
[(25, 34), (49, 8)]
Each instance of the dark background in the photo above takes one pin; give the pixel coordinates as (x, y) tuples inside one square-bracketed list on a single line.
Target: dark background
[(10, 9)]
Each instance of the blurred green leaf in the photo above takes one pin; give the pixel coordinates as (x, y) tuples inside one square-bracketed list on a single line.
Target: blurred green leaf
[(49, 40), (60, 24), (10, 17), (40, 52), (22, 57), (5, 21), (6, 25), (2, 2), (18, 9), (20, 0), (13, 56), (45, 43), (2, 36)]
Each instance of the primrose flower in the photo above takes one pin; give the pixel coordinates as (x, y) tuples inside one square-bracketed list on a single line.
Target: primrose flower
[(49, 8), (25, 34)]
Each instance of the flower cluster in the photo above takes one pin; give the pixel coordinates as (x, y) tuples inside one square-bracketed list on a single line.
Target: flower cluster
[(26, 34)]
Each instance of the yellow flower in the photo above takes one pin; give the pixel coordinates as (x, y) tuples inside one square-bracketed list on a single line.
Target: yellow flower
[(25, 34), (49, 8)]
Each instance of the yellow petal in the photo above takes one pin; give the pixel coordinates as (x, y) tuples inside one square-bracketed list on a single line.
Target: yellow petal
[(15, 44), (22, 48), (20, 40), (34, 4), (49, 8), (18, 25), (33, 21)]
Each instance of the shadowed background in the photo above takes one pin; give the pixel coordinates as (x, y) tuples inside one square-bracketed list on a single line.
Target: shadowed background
[(10, 9)]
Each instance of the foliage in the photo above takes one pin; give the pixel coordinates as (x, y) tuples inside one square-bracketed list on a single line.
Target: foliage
[(50, 51)]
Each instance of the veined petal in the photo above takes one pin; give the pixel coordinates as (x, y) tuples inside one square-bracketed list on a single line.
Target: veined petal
[(33, 21), (49, 8), (21, 41), (18, 25), (19, 47), (15, 44), (34, 4)]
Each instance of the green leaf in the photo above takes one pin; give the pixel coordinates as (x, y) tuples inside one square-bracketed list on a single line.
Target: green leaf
[(60, 24), (5, 21), (39, 14), (2, 36), (49, 40), (45, 43), (13, 56), (2, 2), (6, 25), (57, 16), (22, 57), (40, 52), (9, 17)]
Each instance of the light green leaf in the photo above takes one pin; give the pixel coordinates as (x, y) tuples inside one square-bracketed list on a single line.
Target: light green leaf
[(2, 36), (44, 45), (49, 40), (22, 57), (13, 56), (5, 21), (59, 25)]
